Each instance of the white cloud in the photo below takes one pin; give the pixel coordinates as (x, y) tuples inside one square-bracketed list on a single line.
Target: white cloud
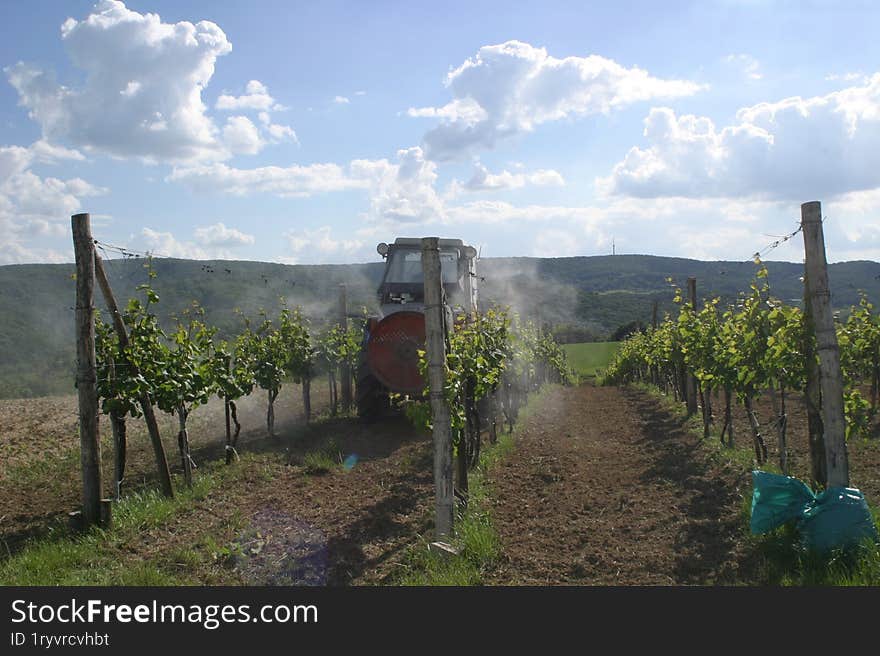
[(402, 192), (279, 133), (219, 235), (13, 160), (142, 91), (483, 180), (51, 153), (793, 149), (243, 135), (317, 245), (256, 97), (291, 181), (466, 111), (341, 100), (29, 195), (165, 244), (846, 77), (47, 197), (14, 251), (659, 226), (276, 133), (34, 210), (214, 242), (493, 212), (749, 66), (554, 231), (240, 135), (510, 88), (556, 243)]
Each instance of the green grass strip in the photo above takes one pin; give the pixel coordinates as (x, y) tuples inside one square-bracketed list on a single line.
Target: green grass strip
[(589, 358), (476, 539), (96, 557)]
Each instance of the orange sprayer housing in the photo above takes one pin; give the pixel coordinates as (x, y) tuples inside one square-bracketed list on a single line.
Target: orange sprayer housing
[(392, 351)]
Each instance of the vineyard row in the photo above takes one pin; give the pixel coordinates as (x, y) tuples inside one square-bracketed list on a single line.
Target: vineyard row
[(493, 362), (757, 345)]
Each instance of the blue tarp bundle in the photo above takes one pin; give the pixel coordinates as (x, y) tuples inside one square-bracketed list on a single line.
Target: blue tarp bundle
[(837, 518)]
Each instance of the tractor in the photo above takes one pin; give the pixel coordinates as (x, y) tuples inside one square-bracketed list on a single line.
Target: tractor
[(389, 359)]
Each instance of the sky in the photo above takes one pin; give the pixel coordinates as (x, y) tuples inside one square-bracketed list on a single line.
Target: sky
[(306, 133)]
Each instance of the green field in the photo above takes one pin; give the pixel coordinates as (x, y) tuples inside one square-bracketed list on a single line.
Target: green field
[(588, 358)]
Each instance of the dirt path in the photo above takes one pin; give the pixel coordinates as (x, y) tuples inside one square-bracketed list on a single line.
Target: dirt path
[(347, 527), (605, 488), (278, 524)]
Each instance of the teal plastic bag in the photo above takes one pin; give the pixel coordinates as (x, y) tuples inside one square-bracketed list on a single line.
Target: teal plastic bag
[(837, 518), (777, 500)]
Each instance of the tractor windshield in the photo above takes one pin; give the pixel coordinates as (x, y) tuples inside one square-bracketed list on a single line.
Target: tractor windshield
[(405, 266)]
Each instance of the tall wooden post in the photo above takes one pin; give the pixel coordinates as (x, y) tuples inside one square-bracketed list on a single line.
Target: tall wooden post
[(830, 377), (690, 381), (145, 402), (86, 368), (344, 368), (813, 395), (435, 332)]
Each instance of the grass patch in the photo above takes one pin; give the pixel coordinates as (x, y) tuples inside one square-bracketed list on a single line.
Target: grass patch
[(323, 460), (588, 358), (98, 556), (46, 470), (475, 539)]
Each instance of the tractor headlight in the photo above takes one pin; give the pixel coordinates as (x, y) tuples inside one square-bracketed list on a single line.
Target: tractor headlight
[(382, 249), (469, 252)]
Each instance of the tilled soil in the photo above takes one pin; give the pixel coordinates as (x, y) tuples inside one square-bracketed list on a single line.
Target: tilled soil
[(605, 488), (348, 526)]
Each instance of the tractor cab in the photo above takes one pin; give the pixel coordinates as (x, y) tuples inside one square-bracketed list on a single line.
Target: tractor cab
[(402, 286)]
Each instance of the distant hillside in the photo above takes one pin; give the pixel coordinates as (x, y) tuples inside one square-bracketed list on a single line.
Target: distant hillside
[(592, 294)]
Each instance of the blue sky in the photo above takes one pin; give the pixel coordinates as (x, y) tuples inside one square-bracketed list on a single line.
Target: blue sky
[(295, 132)]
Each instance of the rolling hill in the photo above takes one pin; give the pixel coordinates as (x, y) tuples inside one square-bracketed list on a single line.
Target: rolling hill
[(586, 296)]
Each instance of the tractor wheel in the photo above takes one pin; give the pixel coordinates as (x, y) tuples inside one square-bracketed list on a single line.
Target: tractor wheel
[(373, 401)]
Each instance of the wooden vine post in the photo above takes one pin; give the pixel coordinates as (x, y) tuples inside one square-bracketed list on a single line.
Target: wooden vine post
[(344, 368), (435, 332), (86, 370), (145, 402), (830, 376)]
